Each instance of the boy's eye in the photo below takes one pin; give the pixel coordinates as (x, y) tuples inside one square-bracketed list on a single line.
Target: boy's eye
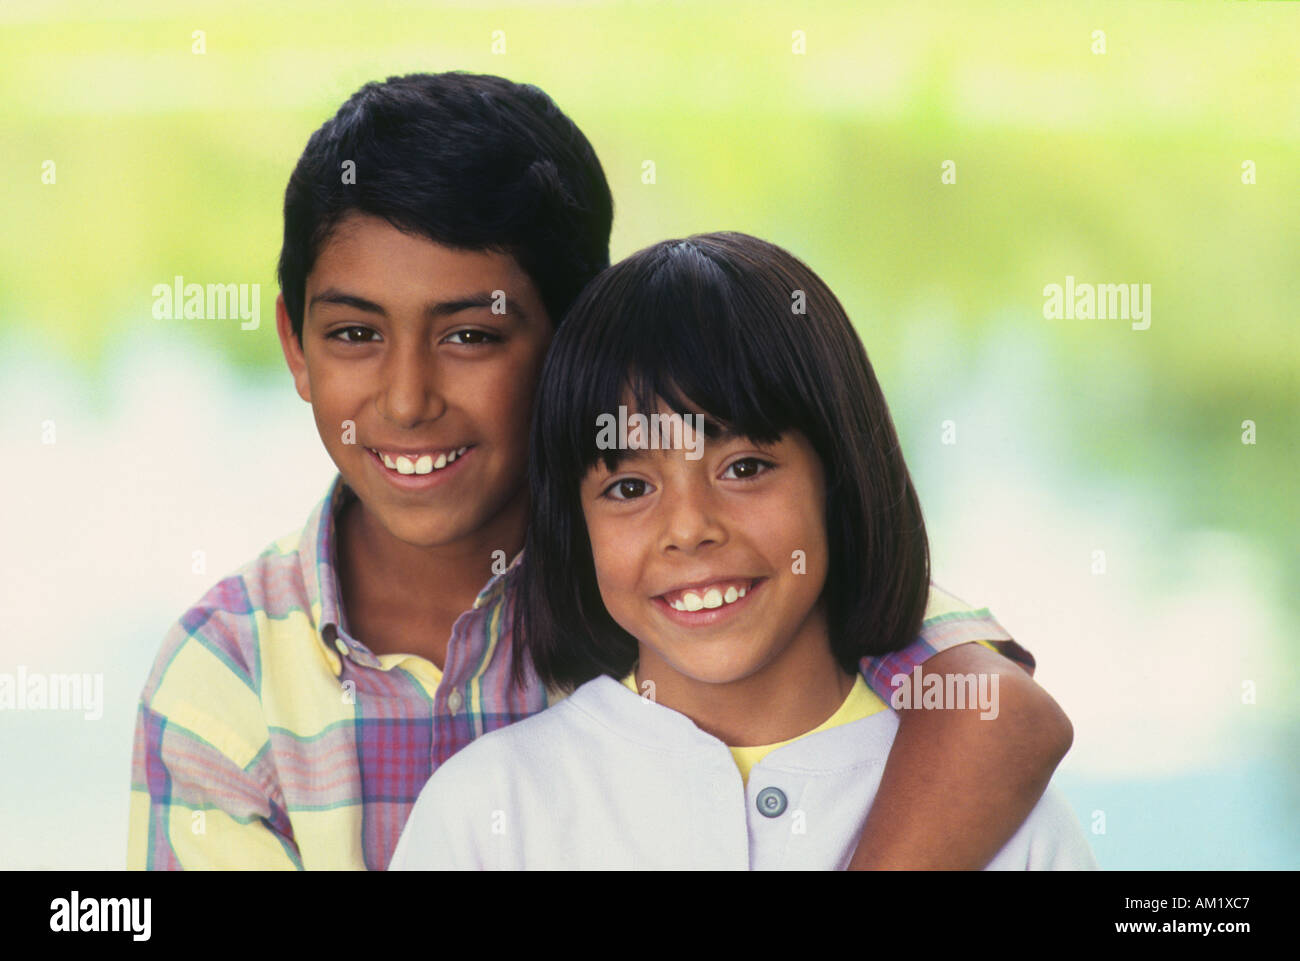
[(472, 338), (747, 468), (353, 335), (629, 488)]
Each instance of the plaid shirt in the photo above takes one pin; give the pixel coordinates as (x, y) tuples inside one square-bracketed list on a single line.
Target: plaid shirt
[(268, 737)]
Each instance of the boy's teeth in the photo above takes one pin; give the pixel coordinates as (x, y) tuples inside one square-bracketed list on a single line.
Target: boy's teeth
[(422, 464)]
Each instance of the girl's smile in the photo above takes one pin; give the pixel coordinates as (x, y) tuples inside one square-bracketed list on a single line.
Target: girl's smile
[(708, 601)]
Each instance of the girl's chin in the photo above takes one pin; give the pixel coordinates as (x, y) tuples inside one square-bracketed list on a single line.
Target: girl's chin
[(710, 671)]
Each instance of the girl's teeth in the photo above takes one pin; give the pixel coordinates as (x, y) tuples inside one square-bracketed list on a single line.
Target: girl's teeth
[(404, 466), (713, 598), (424, 464), (438, 464)]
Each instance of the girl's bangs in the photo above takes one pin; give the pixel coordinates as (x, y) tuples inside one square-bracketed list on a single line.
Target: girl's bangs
[(686, 352)]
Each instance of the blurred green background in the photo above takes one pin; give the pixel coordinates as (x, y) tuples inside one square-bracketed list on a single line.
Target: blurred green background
[(1115, 167)]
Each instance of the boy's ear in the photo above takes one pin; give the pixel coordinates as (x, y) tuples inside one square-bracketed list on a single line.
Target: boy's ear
[(293, 352)]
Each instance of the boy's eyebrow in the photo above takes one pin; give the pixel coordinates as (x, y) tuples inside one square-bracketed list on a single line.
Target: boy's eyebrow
[(332, 295), (445, 308)]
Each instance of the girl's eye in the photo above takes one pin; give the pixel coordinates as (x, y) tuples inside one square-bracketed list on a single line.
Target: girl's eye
[(748, 468), (629, 488), (353, 335), (472, 338)]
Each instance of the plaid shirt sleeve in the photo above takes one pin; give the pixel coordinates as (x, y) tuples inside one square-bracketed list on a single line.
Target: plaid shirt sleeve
[(949, 622), (203, 788)]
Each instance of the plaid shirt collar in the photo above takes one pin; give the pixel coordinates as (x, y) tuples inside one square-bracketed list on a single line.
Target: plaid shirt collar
[(320, 575)]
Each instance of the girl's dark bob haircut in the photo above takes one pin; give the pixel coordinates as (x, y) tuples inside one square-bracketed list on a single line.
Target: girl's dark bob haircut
[(742, 331)]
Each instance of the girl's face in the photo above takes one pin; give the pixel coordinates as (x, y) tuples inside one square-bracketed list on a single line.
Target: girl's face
[(716, 564)]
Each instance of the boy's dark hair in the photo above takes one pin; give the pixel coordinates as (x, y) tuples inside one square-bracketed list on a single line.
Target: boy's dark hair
[(711, 324), (470, 161)]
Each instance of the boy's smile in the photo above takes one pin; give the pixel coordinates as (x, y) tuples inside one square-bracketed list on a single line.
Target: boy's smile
[(418, 470), (420, 363)]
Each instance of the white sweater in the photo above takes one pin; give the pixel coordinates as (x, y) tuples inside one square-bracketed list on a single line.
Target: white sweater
[(608, 780)]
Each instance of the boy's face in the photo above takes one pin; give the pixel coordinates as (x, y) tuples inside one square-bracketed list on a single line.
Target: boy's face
[(668, 532), (400, 338)]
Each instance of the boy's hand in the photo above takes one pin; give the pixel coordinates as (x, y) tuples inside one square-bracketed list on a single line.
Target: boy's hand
[(957, 787)]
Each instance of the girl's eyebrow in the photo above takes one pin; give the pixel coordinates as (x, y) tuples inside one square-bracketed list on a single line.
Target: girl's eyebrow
[(613, 460)]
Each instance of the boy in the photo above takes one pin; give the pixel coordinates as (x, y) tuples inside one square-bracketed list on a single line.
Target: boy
[(436, 229)]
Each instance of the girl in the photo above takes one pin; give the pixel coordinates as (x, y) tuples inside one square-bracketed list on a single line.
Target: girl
[(695, 578)]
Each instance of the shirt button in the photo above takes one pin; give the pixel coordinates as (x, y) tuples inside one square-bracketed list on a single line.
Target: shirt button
[(771, 802), (341, 646), (454, 701)]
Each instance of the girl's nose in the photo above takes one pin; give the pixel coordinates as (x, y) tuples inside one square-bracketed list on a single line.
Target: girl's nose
[(691, 518)]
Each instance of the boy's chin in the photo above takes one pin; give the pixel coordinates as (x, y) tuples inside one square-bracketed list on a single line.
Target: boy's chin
[(419, 527), (423, 532)]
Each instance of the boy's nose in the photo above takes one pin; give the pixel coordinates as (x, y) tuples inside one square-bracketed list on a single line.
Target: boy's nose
[(409, 391)]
